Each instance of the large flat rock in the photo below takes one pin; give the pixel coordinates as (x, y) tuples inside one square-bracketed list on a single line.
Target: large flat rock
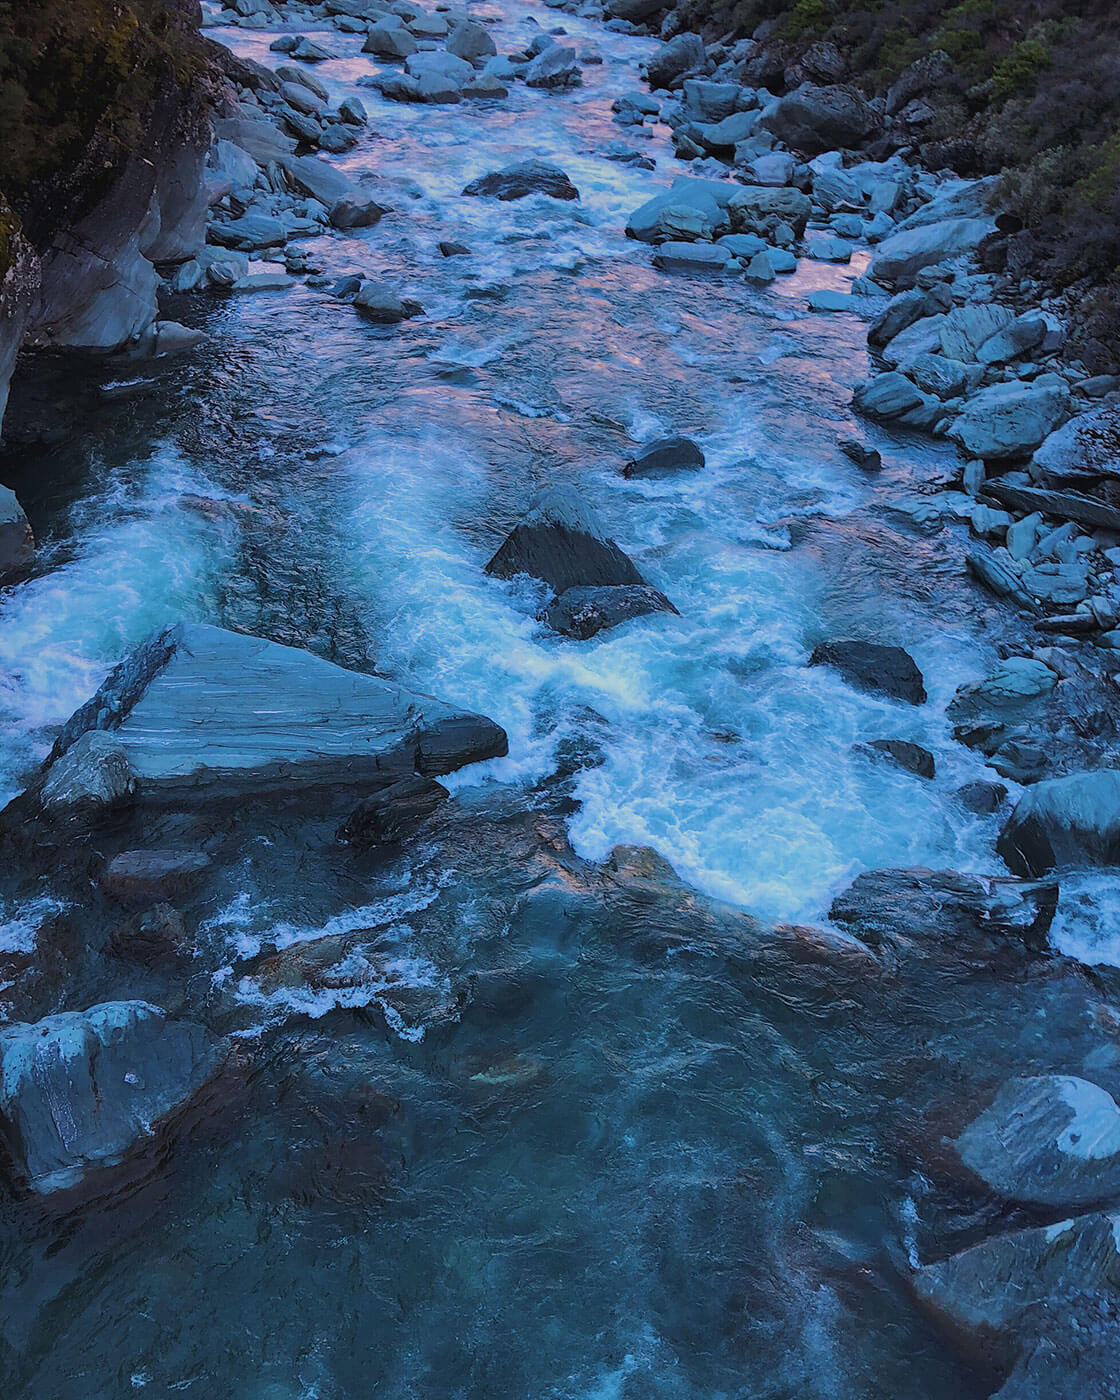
[(200, 712)]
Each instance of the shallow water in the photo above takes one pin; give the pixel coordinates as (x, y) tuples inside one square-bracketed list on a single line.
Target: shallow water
[(625, 1172)]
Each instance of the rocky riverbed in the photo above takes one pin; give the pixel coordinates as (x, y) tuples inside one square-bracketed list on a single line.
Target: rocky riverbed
[(559, 750)]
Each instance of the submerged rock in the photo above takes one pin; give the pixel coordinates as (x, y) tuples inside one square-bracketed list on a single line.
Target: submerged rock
[(198, 713), (1052, 1140), (526, 178), (141, 878), (906, 755), (583, 612), (84, 1090), (393, 812), (871, 666), (17, 543), (669, 454), (559, 542), (1071, 821)]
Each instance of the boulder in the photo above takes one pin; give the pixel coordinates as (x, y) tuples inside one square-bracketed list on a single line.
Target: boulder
[(1033, 330), (525, 178), (141, 878), (249, 233), (902, 255), (289, 73), (260, 139), (353, 112), (355, 213), (688, 210), (17, 543), (759, 209), (891, 397), (905, 308), (818, 119), (1011, 419), (197, 714), (393, 812), (380, 304), (560, 543), (903, 754), (1065, 505), (922, 337), (1052, 1140), (441, 65), (676, 60), (669, 454), (82, 1091), (1071, 821), (968, 327), (386, 40), (695, 257), (554, 67), (583, 612), (471, 41), (301, 98), (318, 178), (1086, 446), (873, 667)]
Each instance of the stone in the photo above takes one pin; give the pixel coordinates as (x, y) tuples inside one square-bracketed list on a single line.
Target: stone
[(756, 209), (440, 64), (263, 282), (555, 67), (289, 73), (1088, 446), (356, 213), (261, 140), (772, 171), (968, 327), (873, 667), (393, 812), (386, 40), (583, 612), (559, 542), (891, 396), (1072, 821), (151, 937), (485, 87), (308, 51), (380, 304), (904, 754), (982, 797), (429, 26), (352, 111), (17, 543), (901, 256), (301, 98), (668, 454), (84, 1091), (691, 257), (836, 192), (1065, 505), (866, 458), (1052, 1140), (826, 299), (904, 309), (817, 119), (1033, 330), (249, 233), (318, 178), (696, 209), (709, 101), (921, 337), (1011, 419), (825, 248), (470, 41), (141, 878), (938, 375), (675, 61), (525, 178), (722, 137), (197, 714)]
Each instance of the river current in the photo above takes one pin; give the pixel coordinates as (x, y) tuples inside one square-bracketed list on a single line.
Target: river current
[(614, 1210)]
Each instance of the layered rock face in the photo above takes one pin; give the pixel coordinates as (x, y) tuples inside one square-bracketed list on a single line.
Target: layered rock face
[(102, 176)]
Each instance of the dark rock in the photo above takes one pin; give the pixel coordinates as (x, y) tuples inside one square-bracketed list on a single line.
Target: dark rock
[(82, 1091), (141, 878), (381, 305), (912, 757), (454, 250), (198, 713), (1052, 1140), (153, 937), (17, 543), (394, 812), (355, 213), (560, 543), (1064, 505), (665, 455), (525, 178), (1086, 447), (554, 67), (866, 458), (582, 612), (676, 60), (873, 667), (1072, 821), (982, 797), (818, 119)]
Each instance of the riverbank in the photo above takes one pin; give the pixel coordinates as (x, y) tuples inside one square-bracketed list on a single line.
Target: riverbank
[(462, 1097)]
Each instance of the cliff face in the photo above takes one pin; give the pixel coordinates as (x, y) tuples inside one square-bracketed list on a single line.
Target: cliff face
[(104, 106)]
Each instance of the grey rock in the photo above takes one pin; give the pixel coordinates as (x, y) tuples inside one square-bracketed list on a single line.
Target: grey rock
[(1085, 447), (249, 233), (904, 754), (1033, 330), (922, 337), (355, 213), (199, 713), (17, 543), (380, 304), (559, 542), (1052, 1140), (1011, 419), (259, 139), (263, 282), (442, 65), (1071, 821), (836, 192), (873, 667), (904, 309), (301, 98), (394, 812), (82, 1091), (760, 270), (390, 41), (555, 67), (1066, 505), (289, 73), (689, 209), (901, 256), (891, 397), (773, 170), (982, 797), (525, 178), (969, 327), (669, 454), (675, 61), (470, 41), (757, 209), (142, 878), (584, 612), (940, 376), (351, 111), (691, 257), (318, 178), (817, 119)]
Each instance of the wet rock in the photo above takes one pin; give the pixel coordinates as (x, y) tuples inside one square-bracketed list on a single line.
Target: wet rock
[(875, 668), (665, 455), (198, 714), (866, 458), (818, 119), (691, 257), (353, 112), (555, 67), (302, 98), (982, 798), (308, 51), (675, 61), (892, 397), (318, 178), (140, 878), (83, 1091), (356, 213), (688, 210), (381, 305), (392, 813), (249, 234), (17, 543), (454, 250), (525, 178), (906, 755), (470, 41), (559, 542), (904, 309), (263, 282), (583, 612), (1011, 419), (485, 87), (1071, 821), (940, 376), (1053, 1140), (827, 300), (153, 937)]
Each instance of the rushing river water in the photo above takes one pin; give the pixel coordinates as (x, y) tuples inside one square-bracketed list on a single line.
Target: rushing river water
[(617, 1209)]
